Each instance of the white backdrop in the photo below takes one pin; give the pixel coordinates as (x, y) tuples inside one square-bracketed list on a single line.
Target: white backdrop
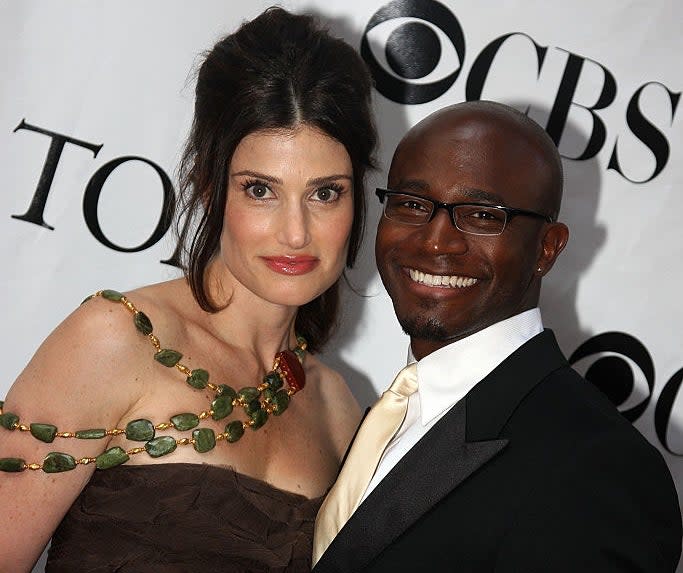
[(110, 80)]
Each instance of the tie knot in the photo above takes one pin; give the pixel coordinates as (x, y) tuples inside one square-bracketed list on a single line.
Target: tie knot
[(405, 382)]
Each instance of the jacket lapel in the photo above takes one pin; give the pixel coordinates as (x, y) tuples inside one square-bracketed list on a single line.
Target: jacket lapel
[(440, 461)]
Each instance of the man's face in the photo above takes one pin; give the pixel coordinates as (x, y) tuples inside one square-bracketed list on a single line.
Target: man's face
[(487, 278)]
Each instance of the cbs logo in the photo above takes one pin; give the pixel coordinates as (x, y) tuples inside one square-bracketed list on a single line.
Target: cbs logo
[(414, 49), (621, 366)]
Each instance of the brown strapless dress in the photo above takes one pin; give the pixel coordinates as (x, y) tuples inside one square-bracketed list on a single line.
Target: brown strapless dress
[(182, 518)]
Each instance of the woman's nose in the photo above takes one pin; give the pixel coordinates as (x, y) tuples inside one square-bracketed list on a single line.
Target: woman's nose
[(294, 231)]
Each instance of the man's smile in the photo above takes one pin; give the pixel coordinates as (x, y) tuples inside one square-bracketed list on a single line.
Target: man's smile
[(443, 281)]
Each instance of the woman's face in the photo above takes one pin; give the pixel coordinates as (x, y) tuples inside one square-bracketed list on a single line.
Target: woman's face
[(288, 214)]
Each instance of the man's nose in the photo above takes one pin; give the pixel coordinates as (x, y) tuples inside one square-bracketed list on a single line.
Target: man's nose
[(440, 235)]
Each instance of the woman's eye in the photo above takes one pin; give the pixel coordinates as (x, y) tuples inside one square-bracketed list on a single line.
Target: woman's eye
[(257, 190), (326, 194)]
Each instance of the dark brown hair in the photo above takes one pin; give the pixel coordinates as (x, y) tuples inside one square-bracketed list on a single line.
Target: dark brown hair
[(279, 70)]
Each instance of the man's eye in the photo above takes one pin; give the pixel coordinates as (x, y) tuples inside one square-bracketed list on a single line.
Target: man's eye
[(412, 205), (486, 214)]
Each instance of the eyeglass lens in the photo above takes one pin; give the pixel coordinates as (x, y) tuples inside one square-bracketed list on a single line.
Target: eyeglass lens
[(468, 218)]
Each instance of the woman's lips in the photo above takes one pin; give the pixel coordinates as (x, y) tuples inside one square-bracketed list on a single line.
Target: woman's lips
[(292, 265)]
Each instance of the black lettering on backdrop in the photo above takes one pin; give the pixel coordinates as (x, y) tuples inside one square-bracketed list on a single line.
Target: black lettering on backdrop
[(34, 213), (665, 404), (412, 52), (175, 260), (91, 198), (481, 66), (646, 132), (565, 99)]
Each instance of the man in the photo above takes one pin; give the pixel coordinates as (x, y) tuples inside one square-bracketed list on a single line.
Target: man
[(507, 460)]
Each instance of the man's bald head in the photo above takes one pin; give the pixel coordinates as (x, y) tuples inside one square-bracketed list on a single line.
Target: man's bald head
[(488, 116)]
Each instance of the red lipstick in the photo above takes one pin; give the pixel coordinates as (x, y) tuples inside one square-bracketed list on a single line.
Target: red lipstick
[(294, 265)]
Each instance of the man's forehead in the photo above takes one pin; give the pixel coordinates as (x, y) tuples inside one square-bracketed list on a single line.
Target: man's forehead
[(479, 128), (489, 137), (473, 145)]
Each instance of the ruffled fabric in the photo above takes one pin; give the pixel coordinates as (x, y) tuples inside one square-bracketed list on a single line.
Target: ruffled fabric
[(180, 518)]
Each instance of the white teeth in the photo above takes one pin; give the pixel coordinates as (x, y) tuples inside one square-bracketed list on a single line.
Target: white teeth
[(450, 281)]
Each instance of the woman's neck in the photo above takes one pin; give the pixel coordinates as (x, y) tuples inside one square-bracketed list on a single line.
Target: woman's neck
[(249, 322)]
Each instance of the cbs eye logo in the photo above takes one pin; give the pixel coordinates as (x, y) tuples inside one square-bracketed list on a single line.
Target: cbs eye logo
[(414, 49), (621, 367)]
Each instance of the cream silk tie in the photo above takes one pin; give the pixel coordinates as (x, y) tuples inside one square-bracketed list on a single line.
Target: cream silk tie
[(379, 426)]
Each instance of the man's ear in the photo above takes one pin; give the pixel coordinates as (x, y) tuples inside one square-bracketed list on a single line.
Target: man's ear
[(553, 243)]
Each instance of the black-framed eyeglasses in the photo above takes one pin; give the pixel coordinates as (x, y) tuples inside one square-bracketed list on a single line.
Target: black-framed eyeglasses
[(472, 218)]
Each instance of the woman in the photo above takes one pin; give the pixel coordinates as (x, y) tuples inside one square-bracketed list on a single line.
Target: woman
[(216, 459)]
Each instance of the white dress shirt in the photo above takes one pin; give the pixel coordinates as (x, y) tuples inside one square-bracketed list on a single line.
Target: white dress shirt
[(447, 374)]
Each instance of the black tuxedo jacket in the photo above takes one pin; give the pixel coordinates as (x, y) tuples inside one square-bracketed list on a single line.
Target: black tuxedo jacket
[(534, 470)]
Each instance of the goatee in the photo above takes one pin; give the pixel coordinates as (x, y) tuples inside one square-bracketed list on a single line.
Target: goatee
[(424, 328)]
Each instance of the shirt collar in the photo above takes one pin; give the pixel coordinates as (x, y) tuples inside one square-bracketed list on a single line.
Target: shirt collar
[(447, 374)]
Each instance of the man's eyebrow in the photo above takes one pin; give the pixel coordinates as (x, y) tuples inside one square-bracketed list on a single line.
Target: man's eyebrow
[(481, 195), (471, 193), (414, 185)]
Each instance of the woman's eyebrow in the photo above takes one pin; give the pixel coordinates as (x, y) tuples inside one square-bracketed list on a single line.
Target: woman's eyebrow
[(256, 174), (329, 178)]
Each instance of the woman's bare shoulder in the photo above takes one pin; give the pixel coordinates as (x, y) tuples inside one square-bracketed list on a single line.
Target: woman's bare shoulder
[(85, 360), (333, 386), (337, 402), (169, 305)]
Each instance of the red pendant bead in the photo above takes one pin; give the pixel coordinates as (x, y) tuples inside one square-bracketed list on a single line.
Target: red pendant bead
[(292, 370)]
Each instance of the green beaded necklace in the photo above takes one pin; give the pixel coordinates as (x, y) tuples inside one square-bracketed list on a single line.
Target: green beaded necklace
[(258, 402)]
